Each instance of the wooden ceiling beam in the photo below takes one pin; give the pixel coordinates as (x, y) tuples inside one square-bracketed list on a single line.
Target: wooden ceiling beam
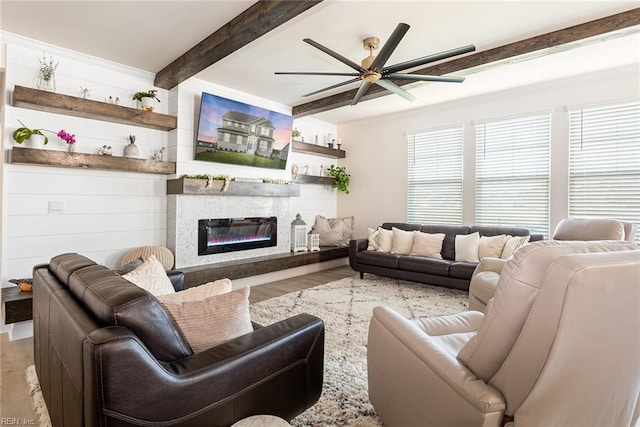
[(566, 35), (262, 17)]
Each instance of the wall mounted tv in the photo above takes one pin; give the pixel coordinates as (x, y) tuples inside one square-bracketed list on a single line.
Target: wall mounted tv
[(234, 132)]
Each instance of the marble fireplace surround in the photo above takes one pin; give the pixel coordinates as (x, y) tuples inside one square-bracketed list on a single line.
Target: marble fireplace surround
[(184, 211)]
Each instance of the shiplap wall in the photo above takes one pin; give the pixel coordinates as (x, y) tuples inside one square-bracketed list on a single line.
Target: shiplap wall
[(108, 212)]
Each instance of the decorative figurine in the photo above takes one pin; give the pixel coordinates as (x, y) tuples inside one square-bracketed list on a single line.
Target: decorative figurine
[(85, 92), (105, 150)]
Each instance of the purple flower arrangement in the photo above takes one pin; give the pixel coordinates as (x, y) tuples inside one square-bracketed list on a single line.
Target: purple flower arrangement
[(70, 139)]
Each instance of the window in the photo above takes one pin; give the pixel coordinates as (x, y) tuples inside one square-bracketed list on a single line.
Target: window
[(434, 177), (604, 162), (512, 173)]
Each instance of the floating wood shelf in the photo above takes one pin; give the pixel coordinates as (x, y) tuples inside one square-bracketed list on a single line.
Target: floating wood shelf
[(319, 150), (194, 186), (312, 179), (36, 156), (36, 99)]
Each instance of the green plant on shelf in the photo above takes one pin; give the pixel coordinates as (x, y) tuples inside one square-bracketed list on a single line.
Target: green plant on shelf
[(341, 178), (152, 93)]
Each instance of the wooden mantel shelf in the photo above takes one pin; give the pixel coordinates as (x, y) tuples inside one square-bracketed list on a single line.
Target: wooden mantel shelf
[(36, 99), (194, 186), (319, 150), (37, 156)]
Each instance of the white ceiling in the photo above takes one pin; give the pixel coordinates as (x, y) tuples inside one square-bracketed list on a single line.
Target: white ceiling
[(150, 34)]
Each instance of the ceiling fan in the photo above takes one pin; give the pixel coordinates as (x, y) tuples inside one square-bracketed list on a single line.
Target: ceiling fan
[(372, 69)]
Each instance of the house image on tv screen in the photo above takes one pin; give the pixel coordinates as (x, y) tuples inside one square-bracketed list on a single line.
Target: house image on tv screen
[(246, 134)]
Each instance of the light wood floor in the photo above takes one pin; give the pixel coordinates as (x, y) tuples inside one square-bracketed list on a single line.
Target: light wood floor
[(16, 356)]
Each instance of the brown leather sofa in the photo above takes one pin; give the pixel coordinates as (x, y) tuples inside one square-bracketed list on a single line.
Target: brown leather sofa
[(107, 353), (443, 272)]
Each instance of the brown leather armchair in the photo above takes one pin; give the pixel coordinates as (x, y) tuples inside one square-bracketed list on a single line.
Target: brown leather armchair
[(107, 353)]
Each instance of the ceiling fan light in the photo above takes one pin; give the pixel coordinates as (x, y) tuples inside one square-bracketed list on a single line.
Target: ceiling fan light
[(371, 77)]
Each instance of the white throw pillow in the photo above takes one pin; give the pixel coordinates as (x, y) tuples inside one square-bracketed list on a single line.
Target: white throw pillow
[(467, 247), (402, 241), (427, 244), (491, 246), (208, 318), (373, 239), (512, 244), (385, 240), (333, 231), (152, 277)]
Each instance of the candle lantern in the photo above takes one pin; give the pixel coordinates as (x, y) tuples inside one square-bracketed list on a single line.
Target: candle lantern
[(313, 242), (298, 234)]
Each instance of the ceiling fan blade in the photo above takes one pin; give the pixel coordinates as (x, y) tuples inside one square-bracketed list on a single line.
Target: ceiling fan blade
[(364, 87), (389, 46), (304, 73), (336, 55), (427, 59), (334, 86), (423, 78), (392, 87)]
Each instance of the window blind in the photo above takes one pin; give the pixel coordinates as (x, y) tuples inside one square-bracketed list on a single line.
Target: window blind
[(512, 173), (434, 178), (604, 162)]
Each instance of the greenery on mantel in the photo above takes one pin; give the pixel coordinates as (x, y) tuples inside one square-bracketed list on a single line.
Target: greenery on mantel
[(152, 93), (342, 178)]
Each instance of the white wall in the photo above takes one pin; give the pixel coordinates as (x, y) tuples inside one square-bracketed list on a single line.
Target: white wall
[(377, 148), (108, 212)]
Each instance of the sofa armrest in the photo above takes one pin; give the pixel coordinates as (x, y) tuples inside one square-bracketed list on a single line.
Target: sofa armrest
[(414, 381), (177, 279), (490, 264), (355, 246), (277, 369)]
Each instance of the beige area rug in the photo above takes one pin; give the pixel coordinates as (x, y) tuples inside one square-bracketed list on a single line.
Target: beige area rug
[(346, 306), (37, 399)]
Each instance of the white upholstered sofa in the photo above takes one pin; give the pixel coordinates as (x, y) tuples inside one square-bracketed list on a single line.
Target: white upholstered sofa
[(559, 345)]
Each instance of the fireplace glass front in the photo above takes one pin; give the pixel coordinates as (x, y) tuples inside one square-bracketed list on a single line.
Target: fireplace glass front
[(236, 234)]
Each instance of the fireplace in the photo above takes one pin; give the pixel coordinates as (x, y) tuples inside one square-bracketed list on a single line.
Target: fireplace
[(236, 234)]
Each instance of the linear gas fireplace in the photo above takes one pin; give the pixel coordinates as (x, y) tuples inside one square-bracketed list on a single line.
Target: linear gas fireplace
[(236, 234)]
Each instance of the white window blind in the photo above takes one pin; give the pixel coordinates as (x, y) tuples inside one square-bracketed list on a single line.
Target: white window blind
[(435, 177), (604, 162), (512, 173)]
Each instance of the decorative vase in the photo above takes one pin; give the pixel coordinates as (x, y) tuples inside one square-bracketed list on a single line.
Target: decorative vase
[(131, 150), (147, 103), (35, 141), (71, 148), (46, 82)]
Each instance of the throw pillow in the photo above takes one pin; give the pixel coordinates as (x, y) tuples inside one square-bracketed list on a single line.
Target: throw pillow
[(373, 239), (208, 318), (512, 244), (467, 247), (401, 242), (427, 244), (385, 239), (333, 231), (491, 246), (152, 277)]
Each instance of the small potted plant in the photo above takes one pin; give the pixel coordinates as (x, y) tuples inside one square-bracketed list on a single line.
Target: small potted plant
[(296, 135), (24, 133), (342, 178), (146, 99)]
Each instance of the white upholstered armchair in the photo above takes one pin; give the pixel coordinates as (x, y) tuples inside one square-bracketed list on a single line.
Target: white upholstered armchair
[(485, 277), (559, 345)]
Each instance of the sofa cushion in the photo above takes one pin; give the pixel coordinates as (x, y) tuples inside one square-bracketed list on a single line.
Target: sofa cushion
[(462, 270), (427, 244), (333, 231), (402, 241), (379, 259), (467, 247), (63, 265), (491, 246), (450, 233), (151, 276), (209, 315), (494, 230), (437, 267), (512, 244), (380, 240)]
